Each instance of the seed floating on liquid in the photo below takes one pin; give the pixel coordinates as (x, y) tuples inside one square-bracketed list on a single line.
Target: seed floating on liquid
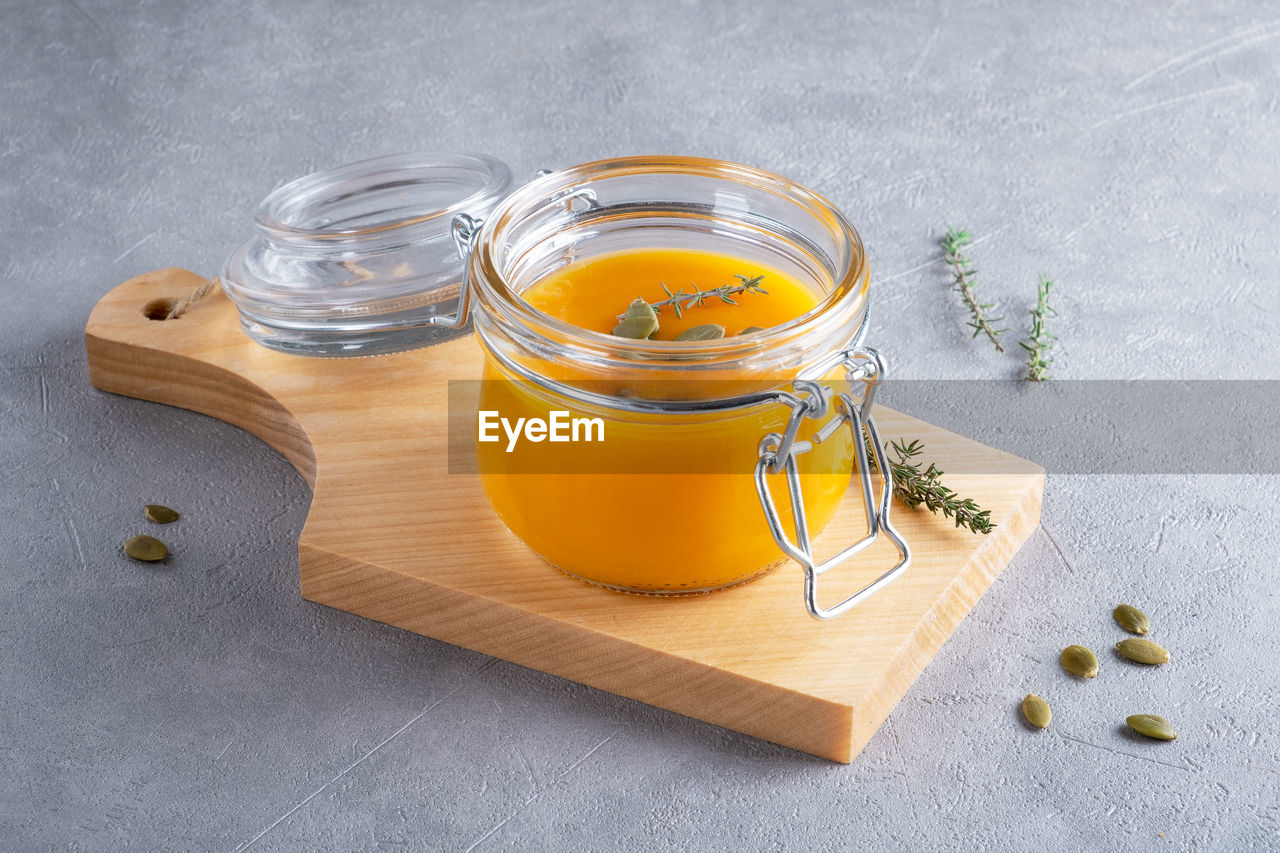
[(639, 322), (705, 332)]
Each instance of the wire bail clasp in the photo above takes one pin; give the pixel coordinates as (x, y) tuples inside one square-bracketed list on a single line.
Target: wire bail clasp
[(466, 230), (778, 452)]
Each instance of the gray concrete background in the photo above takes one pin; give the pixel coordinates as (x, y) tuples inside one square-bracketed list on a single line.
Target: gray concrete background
[(1129, 150)]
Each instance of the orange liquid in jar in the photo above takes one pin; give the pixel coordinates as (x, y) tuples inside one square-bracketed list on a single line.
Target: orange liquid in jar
[(600, 515), (590, 294)]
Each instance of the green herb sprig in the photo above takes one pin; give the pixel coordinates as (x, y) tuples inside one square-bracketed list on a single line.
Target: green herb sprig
[(916, 488), (953, 246), (1040, 341), (699, 297)]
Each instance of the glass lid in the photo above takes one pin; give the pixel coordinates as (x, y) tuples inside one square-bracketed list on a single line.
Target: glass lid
[(355, 260)]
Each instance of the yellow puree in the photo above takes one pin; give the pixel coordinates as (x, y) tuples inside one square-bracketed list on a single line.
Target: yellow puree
[(591, 294), (659, 532)]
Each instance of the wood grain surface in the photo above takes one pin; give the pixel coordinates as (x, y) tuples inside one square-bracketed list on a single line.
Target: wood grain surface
[(393, 536)]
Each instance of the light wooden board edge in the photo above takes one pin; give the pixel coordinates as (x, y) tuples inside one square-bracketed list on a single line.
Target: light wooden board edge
[(577, 653)]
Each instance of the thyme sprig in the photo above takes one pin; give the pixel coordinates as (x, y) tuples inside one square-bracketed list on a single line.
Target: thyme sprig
[(916, 488), (699, 297), (953, 246), (1040, 341)]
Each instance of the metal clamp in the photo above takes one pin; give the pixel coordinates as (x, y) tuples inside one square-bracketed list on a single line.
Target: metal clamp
[(466, 229), (778, 454)]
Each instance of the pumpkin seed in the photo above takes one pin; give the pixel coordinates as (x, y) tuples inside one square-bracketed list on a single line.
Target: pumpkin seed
[(146, 548), (160, 514), (1143, 651), (639, 322), (749, 329), (705, 332), (1079, 661), (1131, 619), (638, 328), (1152, 726), (1036, 710), (639, 308)]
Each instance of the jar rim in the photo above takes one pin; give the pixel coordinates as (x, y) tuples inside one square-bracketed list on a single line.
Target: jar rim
[(849, 291), (302, 196)]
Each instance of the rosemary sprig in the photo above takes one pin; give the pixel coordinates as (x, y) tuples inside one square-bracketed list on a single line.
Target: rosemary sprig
[(699, 297), (965, 276), (1040, 341), (916, 488)]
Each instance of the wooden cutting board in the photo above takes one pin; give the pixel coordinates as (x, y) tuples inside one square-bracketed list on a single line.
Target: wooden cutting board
[(393, 536)]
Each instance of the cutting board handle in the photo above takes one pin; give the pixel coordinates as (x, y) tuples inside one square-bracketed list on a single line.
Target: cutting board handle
[(186, 361)]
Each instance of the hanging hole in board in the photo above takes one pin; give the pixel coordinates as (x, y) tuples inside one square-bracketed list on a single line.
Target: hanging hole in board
[(159, 309)]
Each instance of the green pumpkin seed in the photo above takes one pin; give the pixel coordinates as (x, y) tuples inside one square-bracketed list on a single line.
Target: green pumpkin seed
[(749, 329), (160, 514), (1131, 619), (1149, 725), (705, 332), (1036, 710), (1142, 651), (639, 308), (638, 328), (1079, 661), (146, 548), (639, 322)]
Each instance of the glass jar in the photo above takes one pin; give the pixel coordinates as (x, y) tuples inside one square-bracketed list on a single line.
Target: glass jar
[(678, 496)]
